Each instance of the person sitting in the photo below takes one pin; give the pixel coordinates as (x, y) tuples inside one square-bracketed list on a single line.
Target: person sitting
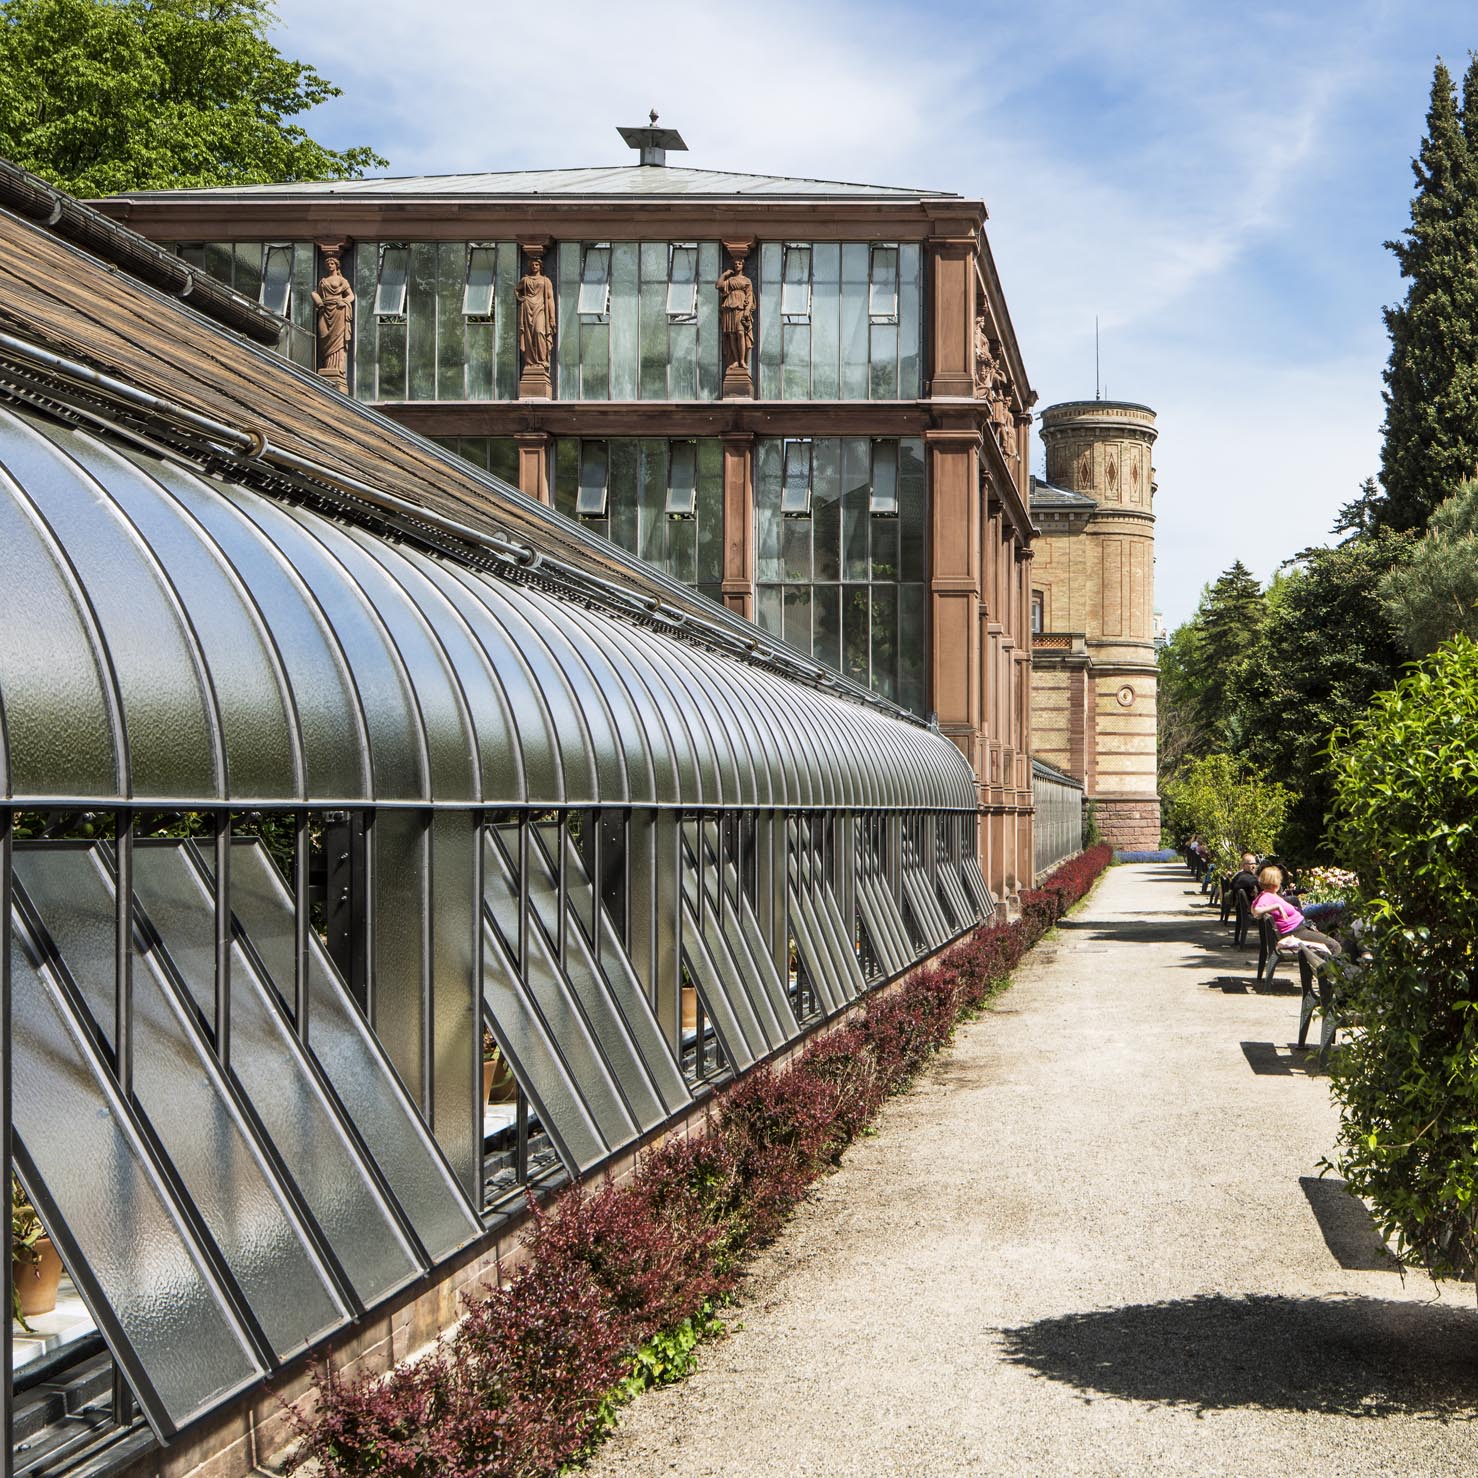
[(1246, 880), (1288, 921)]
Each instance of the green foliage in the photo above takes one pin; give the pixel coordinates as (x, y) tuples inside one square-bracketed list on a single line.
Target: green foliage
[(665, 1358), (1233, 810), (1199, 662), (100, 96), (1434, 593), (1324, 648), (1431, 427), (1406, 818), (25, 1232), (1092, 832)]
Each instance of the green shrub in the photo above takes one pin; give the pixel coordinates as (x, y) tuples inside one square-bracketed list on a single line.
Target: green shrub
[(1232, 808), (1406, 806)]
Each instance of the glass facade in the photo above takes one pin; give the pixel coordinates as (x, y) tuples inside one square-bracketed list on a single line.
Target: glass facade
[(638, 320), (435, 320), (495, 454), (841, 564), (839, 320), (661, 500), (278, 275)]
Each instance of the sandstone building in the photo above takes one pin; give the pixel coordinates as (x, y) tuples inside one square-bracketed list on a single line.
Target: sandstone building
[(802, 398), (1094, 670)]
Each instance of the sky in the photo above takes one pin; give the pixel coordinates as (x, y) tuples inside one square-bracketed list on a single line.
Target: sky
[(1212, 183)]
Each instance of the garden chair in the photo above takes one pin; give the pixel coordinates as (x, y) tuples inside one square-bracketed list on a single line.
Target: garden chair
[(1271, 950), (1243, 907)]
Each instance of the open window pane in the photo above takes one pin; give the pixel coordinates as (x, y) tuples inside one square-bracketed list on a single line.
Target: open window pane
[(682, 480), (883, 499), (591, 500), (882, 302), (390, 289), (277, 277), (795, 491), (477, 296), (595, 282), (682, 282), (795, 285)]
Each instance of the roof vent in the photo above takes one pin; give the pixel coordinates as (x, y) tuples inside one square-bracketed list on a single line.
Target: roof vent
[(653, 142)]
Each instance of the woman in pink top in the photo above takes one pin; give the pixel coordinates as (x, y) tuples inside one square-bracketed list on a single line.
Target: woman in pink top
[(1287, 920)]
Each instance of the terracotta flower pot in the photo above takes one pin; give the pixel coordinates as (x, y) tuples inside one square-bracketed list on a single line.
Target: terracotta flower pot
[(36, 1282), (690, 1009), (489, 1067), (498, 1082)]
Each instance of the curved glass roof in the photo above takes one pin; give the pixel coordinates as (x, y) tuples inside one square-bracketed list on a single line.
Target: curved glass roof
[(178, 639)]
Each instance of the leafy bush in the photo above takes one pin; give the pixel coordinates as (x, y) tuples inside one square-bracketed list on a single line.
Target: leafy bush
[(1231, 808), (1406, 797), (621, 1282)]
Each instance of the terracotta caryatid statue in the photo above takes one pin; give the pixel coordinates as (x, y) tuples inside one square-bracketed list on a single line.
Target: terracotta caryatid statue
[(985, 361), (334, 302), (736, 319), (535, 293)]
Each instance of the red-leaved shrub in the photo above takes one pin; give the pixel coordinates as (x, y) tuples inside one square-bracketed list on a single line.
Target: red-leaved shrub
[(522, 1385)]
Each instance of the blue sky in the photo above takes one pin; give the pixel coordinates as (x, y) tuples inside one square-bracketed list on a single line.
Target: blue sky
[(1213, 182)]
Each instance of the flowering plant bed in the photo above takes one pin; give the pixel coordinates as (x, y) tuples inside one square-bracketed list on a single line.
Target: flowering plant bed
[(1160, 854), (622, 1281)]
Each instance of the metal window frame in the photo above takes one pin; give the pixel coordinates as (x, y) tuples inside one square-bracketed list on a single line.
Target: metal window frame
[(392, 311), (480, 314), (271, 250), (792, 506), (592, 499), (879, 505), (682, 498), (796, 251), (593, 251), (687, 314), (888, 315)]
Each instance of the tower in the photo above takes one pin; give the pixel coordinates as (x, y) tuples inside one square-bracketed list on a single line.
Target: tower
[(1093, 607)]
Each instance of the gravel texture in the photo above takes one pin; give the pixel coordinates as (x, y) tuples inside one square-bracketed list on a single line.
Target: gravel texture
[(1091, 1240)]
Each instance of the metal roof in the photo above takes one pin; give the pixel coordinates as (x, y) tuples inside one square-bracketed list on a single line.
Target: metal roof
[(1047, 496), (631, 180)]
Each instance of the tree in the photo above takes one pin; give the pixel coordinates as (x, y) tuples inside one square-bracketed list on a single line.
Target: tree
[(1431, 425), (1434, 593), (1406, 790), (99, 96), (1323, 649), (1230, 807)]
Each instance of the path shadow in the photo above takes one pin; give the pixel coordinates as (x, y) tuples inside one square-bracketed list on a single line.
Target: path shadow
[(1343, 1356), (1268, 1060), (1346, 1225), (1249, 984)]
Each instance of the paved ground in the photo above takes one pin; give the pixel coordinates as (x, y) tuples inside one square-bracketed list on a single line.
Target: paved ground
[(1090, 1241)]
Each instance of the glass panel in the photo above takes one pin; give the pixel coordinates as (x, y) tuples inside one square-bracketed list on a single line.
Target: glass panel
[(827, 624), (769, 321), (882, 301), (883, 502), (912, 510), (856, 474), (569, 335), (826, 506), (857, 633), (97, 1180), (885, 640), (360, 1076), (505, 330), (717, 1006), (883, 375), (826, 308), (453, 330), (654, 321), (421, 322), (624, 477), (795, 535), (591, 502), (710, 507), (707, 346), (277, 280), (683, 369), (682, 282), (855, 347), (913, 639), (682, 480), (247, 279), (767, 608), (795, 495), (798, 617), (795, 381), (595, 358), (884, 539), (477, 294), (767, 464), (391, 288), (910, 303), (595, 282), (651, 527), (624, 329), (795, 295), (397, 993), (180, 1088)]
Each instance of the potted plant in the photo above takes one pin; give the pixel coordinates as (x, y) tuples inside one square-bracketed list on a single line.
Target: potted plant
[(498, 1085), (36, 1266)]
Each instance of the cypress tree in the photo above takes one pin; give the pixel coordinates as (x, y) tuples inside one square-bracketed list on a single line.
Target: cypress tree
[(1431, 427)]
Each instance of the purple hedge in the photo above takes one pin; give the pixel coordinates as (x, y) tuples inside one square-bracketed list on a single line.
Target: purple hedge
[(621, 1280)]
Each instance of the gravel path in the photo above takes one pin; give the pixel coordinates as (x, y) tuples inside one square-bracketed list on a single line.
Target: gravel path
[(1091, 1241)]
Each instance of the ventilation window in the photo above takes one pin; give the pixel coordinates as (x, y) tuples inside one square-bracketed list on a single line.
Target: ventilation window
[(1039, 612), (795, 491), (682, 283), (882, 292), (594, 492), (795, 285), (682, 480), (277, 280), (477, 295), (595, 283), (882, 498), (390, 285)]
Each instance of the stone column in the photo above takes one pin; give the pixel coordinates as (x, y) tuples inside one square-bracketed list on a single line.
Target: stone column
[(533, 465), (955, 586), (738, 587), (954, 317)]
